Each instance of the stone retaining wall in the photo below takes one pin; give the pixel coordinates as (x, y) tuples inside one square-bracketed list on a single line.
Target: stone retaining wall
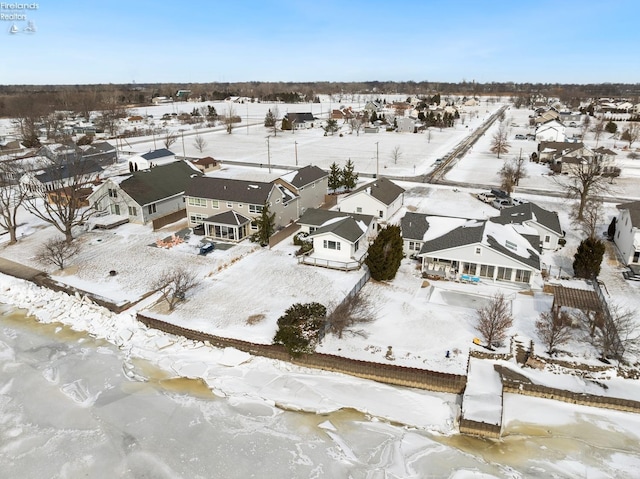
[(384, 373)]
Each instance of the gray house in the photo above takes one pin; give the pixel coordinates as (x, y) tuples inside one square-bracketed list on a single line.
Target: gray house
[(310, 183), (227, 208), (145, 195)]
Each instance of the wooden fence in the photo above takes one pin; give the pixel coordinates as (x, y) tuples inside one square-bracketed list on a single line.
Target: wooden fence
[(168, 219)]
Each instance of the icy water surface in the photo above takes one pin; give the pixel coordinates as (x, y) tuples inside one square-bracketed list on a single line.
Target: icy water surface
[(75, 407)]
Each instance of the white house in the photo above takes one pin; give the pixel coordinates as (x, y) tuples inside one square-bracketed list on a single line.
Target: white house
[(405, 125), (483, 249), (551, 131), (546, 223), (151, 159), (418, 228), (381, 198), (340, 240), (627, 236)]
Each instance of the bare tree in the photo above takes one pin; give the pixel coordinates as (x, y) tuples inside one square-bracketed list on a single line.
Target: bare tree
[(200, 143), (354, 310), (615, 333), (58, 194), (57, 252), (631, 133), (355, 125), (229, 119), (584, 127), (598, 129), (494, 319), (591, 217), (584, 181), (12, 195), (111, 114), (554, 328), (173, 285), (499, 141), (396, 154), (169, 139)]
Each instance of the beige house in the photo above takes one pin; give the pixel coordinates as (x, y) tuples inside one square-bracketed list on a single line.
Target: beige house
[(227, 208)]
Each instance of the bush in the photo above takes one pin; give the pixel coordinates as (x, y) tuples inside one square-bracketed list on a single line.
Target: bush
[(299, 328)]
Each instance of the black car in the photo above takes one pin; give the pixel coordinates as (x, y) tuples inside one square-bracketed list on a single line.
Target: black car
[(206, 248)]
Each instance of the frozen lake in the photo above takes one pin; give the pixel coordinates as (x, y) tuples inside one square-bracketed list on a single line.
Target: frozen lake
[(71, 406)]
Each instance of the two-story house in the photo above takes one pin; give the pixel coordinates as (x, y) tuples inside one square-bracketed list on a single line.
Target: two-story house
[(627, 235), (227, 208), (381, 198), (309, 183)]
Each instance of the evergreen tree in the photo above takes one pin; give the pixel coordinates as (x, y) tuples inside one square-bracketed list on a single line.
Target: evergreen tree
[(285, 125), (349, 178), (385, 254), (269, 119), (266, 225), (611, 231), (374, 117), (611, 127), (335, 177), (299, 327), (587, 260)]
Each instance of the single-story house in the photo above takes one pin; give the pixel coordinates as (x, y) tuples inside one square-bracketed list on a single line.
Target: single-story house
[(483, 249), (208, 197), (101, 152), (340, 240), (59, 175), (310, 183), (381, 198), (145, 195), (627, 235), (206, 164), (545, 222), (298, 121), (153, 158)]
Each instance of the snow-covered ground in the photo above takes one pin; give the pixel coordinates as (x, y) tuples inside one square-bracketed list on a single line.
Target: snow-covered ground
[(244, 289)]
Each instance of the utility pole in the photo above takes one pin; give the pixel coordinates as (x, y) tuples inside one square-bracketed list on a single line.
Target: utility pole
[(184, 154), (377, 160), (247, 118), (268, 154), (295, 143)]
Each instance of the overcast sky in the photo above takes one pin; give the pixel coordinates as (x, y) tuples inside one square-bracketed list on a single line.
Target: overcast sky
[(146, 41)]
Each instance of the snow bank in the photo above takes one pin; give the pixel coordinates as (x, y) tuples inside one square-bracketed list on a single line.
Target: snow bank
[(228, 372)]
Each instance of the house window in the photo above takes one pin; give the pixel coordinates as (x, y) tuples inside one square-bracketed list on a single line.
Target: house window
[(636, 257), (478, 250), (229, 204), (133, 211), (359, 209), (328, 244), (414, 245), (152, 208), (196, 219), (113, 193), (380, 213), (254, 226), (356, 245), (215, 204), (523, 276), (198, 202), (547, 238), (487, 271), (312, 229), (115, 209), (255, 209), (504, 273)]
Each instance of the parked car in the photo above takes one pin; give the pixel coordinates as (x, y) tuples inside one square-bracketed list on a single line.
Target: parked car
[(501, 204), (521, 137), (439, 161), (206, 248), (486, 197), (502, 195), (518, 201)]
